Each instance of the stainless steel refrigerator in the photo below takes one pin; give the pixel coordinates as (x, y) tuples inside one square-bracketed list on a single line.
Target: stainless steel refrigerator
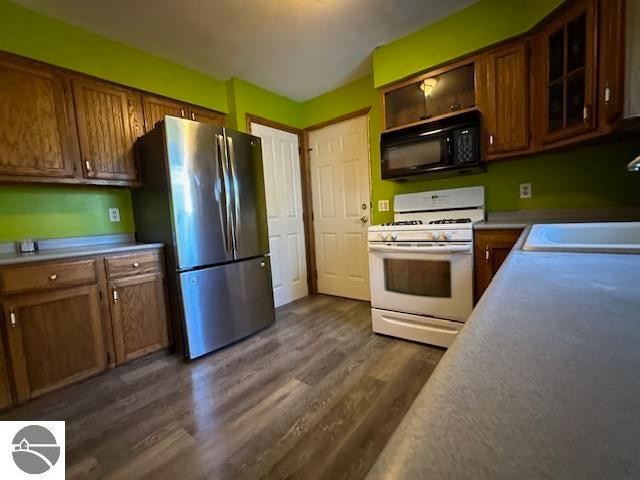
[(203, 197)]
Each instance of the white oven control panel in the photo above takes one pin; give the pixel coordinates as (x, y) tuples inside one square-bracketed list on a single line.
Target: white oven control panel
[(465, 235)]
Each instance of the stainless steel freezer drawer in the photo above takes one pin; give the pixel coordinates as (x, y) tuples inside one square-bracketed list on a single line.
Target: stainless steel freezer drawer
[(225, 303)]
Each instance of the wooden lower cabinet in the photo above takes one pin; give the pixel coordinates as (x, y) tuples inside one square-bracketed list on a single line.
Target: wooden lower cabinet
[(5, 389), (55, 338), (491, 249), (64, 320), (139, 315)]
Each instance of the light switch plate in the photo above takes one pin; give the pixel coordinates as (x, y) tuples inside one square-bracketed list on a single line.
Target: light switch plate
[(383, 205), (114, 214), (525, 190)]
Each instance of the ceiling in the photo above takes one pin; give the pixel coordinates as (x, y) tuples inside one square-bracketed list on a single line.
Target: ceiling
[(298, 48)]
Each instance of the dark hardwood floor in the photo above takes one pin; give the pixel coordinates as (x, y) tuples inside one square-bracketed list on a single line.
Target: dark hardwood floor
[(317, 395)]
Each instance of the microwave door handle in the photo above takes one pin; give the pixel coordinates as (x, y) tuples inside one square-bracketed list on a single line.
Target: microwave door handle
[(466, 248)]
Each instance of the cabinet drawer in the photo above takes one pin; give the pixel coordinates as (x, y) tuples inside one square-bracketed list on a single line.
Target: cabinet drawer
[(48, 276), (133, 264)]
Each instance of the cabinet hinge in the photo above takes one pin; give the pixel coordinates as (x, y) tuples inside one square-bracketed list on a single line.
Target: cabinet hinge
[(100, 294)]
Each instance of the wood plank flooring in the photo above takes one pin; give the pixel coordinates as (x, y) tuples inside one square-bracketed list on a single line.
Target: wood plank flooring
[(316, 396)]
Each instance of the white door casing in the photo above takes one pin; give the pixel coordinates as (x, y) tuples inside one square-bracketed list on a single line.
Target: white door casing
[(340, 186), (283, 191)]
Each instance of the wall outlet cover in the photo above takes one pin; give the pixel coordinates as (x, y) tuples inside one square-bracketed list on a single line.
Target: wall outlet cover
[(525, 190), (383, 205), (114, 214)]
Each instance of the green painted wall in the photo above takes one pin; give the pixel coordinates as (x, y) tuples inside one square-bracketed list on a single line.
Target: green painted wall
[(245, 97), (41, 211), (473, 28)]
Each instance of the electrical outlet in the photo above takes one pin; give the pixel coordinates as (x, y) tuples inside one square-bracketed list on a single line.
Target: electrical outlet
[(114, 214), (383, 205), (525, 190)]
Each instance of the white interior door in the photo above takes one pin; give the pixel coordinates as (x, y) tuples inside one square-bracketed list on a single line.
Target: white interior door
[(283, 192), (340, 190)]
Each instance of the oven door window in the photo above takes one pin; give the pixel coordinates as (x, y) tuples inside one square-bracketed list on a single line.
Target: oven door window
[(407, 157), (424, 278)]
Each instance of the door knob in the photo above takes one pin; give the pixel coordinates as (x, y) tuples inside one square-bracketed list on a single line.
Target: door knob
[(364, 219)]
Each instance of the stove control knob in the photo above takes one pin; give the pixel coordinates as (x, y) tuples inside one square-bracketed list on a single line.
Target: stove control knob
[(445, 236), (432, 236), (394, 236), (383, 237)]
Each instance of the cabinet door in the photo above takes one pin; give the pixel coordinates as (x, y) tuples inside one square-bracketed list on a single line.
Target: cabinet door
[(611, 63), (37, 137), (108, 127), (139, 315), (5, 390), (155, 108), (54, 339), (568, 64), (491, 249), (207, 116), (507, 111)]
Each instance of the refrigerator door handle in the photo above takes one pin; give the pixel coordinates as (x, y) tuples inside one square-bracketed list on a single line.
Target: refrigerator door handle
[(222, 155), (236, 192)]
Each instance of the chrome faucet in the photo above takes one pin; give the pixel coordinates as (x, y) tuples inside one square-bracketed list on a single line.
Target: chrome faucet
[(634, 165)]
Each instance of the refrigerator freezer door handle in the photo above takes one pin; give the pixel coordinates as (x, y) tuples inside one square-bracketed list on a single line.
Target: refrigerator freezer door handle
[(225, 192), (236, 192)]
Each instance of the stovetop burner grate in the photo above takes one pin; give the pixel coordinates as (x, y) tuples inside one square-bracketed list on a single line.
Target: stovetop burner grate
[(449, 221), (406, 222)]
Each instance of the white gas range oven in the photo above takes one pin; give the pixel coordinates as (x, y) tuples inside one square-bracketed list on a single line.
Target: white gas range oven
[(421, 265)]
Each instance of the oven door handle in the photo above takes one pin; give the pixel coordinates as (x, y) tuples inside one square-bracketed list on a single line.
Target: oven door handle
[(466, 248)]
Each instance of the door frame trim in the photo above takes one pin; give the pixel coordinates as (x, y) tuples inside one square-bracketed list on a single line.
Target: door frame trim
[(305, 178), (362, 112)]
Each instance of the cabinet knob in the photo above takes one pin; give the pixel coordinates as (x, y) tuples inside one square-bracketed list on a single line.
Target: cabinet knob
[(53, 277), (114, 295), (135, 264), (182, 112), (14, 320), (491, 140)]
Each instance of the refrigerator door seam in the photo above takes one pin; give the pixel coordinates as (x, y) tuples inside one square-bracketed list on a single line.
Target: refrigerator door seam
[(228, 230), (236, 194)]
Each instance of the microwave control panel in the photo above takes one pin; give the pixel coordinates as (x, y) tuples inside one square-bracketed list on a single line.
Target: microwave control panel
[(464, 140)]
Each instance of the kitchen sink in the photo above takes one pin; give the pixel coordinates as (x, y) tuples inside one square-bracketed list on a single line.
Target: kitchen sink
[(604, 237)]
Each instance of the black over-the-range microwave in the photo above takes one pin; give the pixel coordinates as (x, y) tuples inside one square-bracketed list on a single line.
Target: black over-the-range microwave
[(450, 146)]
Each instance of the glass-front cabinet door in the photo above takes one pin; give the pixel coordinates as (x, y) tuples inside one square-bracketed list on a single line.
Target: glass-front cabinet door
[(568, 57)]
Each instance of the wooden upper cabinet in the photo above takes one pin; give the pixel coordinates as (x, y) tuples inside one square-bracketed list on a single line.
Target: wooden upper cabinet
[(55, 338), (506, 109), (611, 63), (155, 108), (567, 63), (37, 136), (446, 91), (109, 122), (207, 116)]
